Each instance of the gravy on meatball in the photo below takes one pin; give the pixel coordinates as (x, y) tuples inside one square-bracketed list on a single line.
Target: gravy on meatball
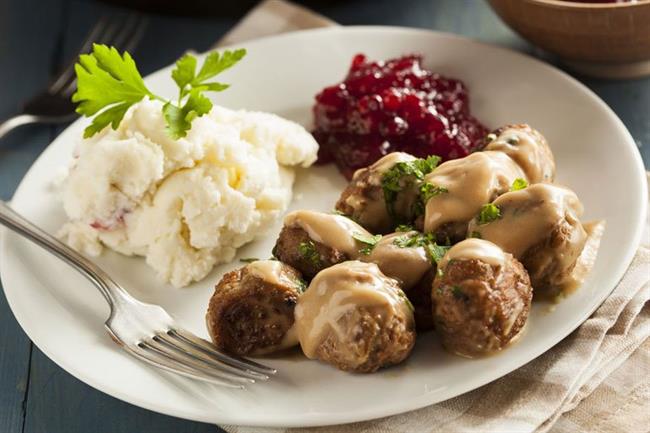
[(355, 318), (481, 298), (540, 226)]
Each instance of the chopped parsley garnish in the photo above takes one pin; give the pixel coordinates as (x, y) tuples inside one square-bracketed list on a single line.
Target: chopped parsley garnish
[(436, 252), (426, 241), (402, 175), (476, 235), (489, 212), (248, 259), (404, 228), (308, 251), (369, 241), (109, 83), (425, 192), (513, 141), (518, 184)]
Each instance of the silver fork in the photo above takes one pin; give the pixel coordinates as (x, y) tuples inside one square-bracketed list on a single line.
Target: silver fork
[(144, 330), (53, 105)]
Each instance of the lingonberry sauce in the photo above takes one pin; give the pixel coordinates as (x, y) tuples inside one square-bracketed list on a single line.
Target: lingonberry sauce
[(393, 105)]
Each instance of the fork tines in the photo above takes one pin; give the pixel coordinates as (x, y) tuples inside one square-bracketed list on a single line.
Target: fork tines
[(122, 32), (182, 352)]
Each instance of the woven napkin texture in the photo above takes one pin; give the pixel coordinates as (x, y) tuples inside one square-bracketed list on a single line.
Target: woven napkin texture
[(595, 380)]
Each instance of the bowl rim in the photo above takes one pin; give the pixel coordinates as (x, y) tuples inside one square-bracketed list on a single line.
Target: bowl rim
[(571, 4)]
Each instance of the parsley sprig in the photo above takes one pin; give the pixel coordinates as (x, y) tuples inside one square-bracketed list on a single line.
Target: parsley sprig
[(424, 240), (402, 175), (309, 252), (489, 212), (518, 184), (369, 241), (109, 83)]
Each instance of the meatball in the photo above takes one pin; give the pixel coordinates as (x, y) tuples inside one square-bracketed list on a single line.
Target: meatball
[(311, 241), (251, 310), (355, 318), (401, 257), (528, 148), (540, 226), (481, 298), (420, 297), (462, 186), (364, 201)]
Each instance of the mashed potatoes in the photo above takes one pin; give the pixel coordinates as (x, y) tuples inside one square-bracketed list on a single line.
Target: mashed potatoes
[(185, 204)]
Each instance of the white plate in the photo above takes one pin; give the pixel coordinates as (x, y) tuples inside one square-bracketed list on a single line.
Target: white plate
[(596, 156)]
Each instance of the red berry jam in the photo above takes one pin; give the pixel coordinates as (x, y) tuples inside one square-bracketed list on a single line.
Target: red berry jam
[(393, 105)]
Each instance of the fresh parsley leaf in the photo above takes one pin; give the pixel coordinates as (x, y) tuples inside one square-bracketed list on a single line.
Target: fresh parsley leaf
[(425, 192), (308, 251), (518, 184), (109, 83), (216, 63), (428, 190), (489, 212), (404, 228), (184, 72), (179, 119), (436, 252), (426, 241), (476, 235), (369, 241)]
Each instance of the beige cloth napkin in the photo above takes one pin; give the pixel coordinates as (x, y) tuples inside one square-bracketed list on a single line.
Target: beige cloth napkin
[(595, 380)]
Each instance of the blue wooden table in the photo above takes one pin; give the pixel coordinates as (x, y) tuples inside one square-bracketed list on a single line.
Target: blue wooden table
[(37, 37)]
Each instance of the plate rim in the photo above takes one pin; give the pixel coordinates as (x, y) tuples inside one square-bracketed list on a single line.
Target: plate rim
[(378, 411)]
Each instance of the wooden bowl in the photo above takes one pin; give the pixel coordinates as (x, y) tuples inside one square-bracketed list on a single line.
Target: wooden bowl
[(601, 39)]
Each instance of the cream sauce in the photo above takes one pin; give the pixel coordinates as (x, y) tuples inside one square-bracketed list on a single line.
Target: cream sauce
[(335, 231), (528, 148), (270, 271), (471, 182), (408, 265), (478, 249), (338, 290), (385, 163), (528, 216), (587, 258)]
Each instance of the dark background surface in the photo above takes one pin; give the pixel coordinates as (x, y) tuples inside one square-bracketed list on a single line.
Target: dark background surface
[(38, 37)]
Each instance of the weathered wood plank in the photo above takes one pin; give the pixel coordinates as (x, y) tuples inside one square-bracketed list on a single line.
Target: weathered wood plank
[(28, 31)]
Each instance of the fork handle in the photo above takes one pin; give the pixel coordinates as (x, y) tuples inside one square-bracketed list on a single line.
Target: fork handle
[(16, 121), (112, 291)]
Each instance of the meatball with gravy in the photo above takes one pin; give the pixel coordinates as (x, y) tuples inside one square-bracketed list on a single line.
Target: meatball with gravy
[(540, 226), (311, 241), (528, 148), (355, 318), (412, 266), (481, 298), (406, 263), (466, 184), (252, 309), (363, 199)]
